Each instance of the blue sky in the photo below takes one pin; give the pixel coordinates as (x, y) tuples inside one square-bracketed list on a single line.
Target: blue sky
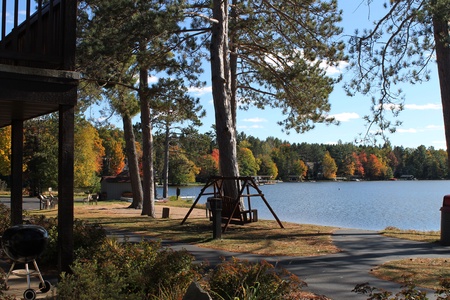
[(422, 117)]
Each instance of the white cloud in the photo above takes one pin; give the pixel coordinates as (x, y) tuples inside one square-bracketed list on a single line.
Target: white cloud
[(435, 127), (428, 106), (153, 79), (333, 70), (201, 91), (255, 120), (346, 116), (408, 130)]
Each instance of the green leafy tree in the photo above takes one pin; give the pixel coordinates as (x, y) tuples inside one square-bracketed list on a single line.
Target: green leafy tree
[(267, 166), (174, 107), (181, 169), (247, 162), (41, 153)]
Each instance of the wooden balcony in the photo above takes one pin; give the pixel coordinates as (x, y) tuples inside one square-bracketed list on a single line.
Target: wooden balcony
[(37, 58), (37, 63)]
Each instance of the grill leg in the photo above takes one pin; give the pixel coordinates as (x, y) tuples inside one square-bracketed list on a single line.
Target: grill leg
[(9, 273), (38, 272), (28, 275)]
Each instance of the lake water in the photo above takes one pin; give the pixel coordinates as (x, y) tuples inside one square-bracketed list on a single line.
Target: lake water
[(364, 205)]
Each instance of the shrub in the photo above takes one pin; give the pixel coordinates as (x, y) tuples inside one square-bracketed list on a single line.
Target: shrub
[(87, 238), (5, 218), (241, 279), (129, 271), (409, 292)]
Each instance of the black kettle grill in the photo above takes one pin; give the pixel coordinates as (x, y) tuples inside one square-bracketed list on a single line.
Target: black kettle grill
[(23, 244)]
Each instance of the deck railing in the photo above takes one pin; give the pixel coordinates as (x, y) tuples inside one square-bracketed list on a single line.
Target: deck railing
[(33, 34)]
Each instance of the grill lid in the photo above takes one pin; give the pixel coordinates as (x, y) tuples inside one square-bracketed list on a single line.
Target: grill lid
[(23, 243)]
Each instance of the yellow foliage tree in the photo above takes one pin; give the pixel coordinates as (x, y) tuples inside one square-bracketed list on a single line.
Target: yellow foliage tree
[(5, 150), (329, 166), (89, 153)]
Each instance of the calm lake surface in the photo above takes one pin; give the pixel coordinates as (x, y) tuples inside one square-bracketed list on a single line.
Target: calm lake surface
[(364, 205)]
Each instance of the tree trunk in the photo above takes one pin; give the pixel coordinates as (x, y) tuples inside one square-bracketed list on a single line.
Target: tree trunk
[(133, 162), (233, 63), (221, 90), (166, 163), (148, 205), (441, 37)]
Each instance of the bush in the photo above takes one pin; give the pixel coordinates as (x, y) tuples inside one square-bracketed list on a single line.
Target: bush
[(129, 271), (87, 238), (241, 279), (409, 292), (5, 218)]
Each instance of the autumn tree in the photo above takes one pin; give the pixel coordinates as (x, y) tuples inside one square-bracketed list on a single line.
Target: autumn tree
[(209, 166), (5, 150), (112, 141), (88, 156), (358, 167), (398, 49), (329, 166), (373, 167), (300, 169), (267, 166)]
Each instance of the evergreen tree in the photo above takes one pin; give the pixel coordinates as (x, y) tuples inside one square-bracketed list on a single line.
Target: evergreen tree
[(399, 48)]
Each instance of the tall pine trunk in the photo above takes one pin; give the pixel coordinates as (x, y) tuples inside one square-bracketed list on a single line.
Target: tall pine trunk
[(221, 91), (166, 162), (133, 162), (441, 37), (148, 205)]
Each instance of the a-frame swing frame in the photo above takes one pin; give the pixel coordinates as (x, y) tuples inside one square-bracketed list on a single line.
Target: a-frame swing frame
[(232, 212)]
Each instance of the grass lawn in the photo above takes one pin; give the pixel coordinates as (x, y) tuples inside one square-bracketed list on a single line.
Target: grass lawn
[(262, 237)]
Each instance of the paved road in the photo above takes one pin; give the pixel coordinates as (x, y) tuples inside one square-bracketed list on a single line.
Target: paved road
[(29, 203), (333, 275)]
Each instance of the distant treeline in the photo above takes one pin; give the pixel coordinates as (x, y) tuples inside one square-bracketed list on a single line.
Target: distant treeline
[(194, 156)]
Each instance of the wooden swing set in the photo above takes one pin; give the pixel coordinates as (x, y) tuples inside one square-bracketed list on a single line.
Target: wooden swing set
[(232, 210)]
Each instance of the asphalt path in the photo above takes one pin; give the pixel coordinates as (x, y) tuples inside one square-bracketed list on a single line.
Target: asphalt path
[(28, 203)]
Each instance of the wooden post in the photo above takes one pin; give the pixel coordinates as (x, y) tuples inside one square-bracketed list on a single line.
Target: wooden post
[(16, 171), (65, 187)]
